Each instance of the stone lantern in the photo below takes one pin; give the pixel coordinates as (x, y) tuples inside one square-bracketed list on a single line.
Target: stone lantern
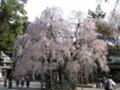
[(6, 67)]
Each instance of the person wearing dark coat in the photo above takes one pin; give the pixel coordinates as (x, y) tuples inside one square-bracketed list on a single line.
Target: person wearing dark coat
[(27, 81)]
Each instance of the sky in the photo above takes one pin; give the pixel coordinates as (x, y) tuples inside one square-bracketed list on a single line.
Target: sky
[(35, 7)]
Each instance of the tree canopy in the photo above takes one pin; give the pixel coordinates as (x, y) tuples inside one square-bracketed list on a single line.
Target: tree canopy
[(48, 46), (13, 22), (48, 39)]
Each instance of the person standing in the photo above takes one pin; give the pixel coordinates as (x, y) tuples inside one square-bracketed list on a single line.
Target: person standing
[(110, 84), (22, 82), (104, 81), (17, 83), (27, 81)]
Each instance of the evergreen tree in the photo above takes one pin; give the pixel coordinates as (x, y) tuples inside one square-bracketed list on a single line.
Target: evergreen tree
[(13, 21)]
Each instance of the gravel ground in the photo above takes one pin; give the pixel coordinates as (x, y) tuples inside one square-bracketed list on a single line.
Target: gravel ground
[(36, 86)]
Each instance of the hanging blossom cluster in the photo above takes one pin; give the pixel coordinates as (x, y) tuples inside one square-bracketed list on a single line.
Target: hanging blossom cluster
[(88, 50), (47, 44), (47, 40)]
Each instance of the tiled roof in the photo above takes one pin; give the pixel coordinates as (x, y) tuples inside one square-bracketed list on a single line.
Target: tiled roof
[(114, 60)]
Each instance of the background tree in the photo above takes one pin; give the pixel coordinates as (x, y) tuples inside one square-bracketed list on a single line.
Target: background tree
[(13, 22), (105, 29), (115, 24), (98, 14)]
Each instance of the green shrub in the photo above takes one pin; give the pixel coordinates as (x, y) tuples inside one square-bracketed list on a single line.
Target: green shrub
[(73, 84)]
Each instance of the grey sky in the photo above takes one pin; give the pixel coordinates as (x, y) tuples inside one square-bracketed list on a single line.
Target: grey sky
[(35, 7)]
